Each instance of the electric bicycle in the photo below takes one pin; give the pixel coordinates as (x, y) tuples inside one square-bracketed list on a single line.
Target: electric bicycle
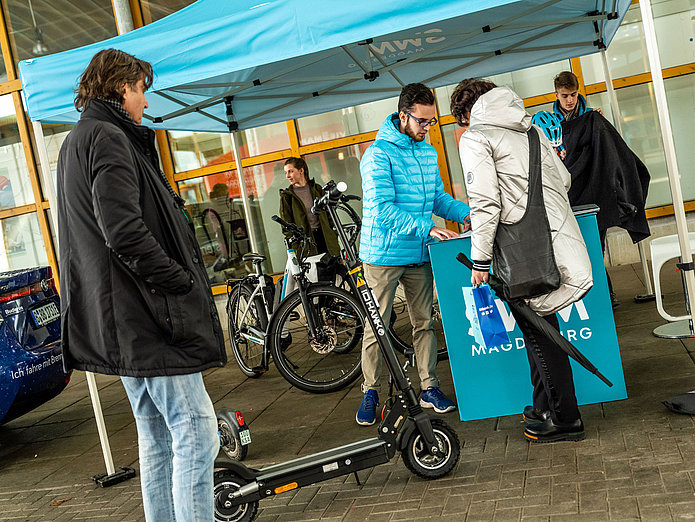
[(429, 447)]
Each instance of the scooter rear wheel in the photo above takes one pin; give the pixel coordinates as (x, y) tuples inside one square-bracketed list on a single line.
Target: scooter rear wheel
[(230, 443), (421, 462), (226, 480)]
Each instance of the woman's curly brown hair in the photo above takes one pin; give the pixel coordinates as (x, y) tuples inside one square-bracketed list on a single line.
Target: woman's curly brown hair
[(464, 97), (107, 73)]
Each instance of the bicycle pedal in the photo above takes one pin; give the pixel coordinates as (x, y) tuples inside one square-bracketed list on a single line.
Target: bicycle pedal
[(259, 369), (294, 316)]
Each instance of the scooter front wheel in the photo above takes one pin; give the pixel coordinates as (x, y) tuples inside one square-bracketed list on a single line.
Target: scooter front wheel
[(420, 461), (226, 482)]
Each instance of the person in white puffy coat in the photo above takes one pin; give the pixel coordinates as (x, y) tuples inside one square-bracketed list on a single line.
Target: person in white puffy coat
[(494, 154)]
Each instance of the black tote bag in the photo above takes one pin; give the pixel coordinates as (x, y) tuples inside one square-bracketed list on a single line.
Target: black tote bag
[(522, 255)]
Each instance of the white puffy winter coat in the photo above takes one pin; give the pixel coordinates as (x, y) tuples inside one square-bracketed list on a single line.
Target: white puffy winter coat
[(494, 155)]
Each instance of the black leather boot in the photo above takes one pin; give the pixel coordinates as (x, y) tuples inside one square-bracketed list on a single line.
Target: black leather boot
[(532, 415), (548, 431)]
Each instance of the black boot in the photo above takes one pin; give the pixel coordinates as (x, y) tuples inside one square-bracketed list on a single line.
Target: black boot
[(532, 415), (548, 431)]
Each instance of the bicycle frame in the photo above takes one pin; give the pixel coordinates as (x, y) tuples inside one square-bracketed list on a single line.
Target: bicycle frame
[(258, 281)]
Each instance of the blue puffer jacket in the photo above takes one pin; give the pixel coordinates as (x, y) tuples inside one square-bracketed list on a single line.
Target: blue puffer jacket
[(402, 189)]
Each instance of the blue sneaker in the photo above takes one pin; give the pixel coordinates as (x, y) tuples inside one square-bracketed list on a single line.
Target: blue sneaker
[(434, 398), (366, 415)]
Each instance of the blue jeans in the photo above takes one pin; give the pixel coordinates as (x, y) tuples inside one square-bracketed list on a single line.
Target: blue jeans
[(177, 444)]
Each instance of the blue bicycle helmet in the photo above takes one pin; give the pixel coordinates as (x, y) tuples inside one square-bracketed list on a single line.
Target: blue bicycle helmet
[(551, 126)]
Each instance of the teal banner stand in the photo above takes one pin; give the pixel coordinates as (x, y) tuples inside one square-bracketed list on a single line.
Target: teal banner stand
[(496, 382)]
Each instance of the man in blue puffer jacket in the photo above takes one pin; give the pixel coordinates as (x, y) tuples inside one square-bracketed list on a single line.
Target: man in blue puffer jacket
[(402, 189)]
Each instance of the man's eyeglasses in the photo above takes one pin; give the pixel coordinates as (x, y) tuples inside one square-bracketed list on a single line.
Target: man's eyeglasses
[(422, 122)]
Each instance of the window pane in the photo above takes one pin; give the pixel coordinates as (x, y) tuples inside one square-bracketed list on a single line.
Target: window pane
[(215, 205), (452, 134), (342, 164), (54, 135), (21, 243), (15, 186), (192, 150), (680, 93), (627, 53), (154, 10), (527, 82), (345, 122), (48, 26), (221, 224), (3, 72)]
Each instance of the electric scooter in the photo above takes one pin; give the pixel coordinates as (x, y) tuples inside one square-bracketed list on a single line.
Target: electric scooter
[(429, 447)]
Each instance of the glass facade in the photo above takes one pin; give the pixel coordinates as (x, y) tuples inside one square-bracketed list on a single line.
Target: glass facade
[(193, 150), (332, 143), (525, 82), (54, 135), (38, 27), (15, 185), (345, 122), (627, 54), (21, 243)]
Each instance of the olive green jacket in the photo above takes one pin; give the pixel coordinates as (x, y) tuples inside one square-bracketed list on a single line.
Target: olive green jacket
[(292, 210)]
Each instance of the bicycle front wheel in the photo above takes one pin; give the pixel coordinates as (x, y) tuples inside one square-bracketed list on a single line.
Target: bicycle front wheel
[(332, 359), (245, 318)]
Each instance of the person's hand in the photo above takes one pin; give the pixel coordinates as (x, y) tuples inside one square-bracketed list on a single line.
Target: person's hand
[(478, 277), (562, 154), (598, 109), (466, 224), (443, 233)]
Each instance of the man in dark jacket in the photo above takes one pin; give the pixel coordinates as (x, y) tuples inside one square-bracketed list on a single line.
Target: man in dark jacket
[(136, 301)]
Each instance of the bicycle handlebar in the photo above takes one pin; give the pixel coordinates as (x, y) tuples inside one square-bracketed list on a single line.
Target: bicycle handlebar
[(296, 231), (333, 194)]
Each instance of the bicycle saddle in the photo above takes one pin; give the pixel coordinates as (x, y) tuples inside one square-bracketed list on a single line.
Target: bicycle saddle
[(252, 256)]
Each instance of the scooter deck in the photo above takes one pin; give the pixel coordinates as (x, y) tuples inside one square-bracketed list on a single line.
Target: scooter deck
[(310, 469), (333, 458)]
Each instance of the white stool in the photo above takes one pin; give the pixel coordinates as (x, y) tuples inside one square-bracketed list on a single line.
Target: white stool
[(664, 249)]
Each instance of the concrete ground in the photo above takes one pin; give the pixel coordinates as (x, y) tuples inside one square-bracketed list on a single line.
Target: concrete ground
[(637, 462)]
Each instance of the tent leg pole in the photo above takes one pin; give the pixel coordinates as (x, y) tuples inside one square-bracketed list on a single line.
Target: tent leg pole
[(669, 150), (101, 426), (112, 475), (236, 140), (618, 118)]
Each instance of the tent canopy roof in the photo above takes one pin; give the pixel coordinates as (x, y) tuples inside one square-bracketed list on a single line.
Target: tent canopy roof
[(260, 62)]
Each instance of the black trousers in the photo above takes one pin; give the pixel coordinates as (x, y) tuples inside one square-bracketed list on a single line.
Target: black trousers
[(551, 373)]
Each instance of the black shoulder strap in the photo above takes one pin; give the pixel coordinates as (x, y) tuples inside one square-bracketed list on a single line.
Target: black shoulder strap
[(535, 185)]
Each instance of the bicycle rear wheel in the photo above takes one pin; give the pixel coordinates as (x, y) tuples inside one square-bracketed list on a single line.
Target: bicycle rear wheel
[(333, 360), (401, 331), (244, 316)]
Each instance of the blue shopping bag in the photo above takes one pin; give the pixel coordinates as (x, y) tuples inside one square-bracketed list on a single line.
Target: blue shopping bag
[(487, 326)]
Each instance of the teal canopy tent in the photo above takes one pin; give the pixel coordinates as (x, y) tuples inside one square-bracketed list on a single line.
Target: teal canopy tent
[(251, 63)]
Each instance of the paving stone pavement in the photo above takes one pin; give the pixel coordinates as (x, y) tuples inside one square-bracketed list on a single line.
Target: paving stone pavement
[(637, 462)]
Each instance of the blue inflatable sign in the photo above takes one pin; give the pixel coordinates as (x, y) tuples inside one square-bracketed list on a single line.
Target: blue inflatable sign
[(496, 382)]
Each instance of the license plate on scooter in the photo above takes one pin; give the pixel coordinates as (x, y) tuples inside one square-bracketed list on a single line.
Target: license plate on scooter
[(245, 437)]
